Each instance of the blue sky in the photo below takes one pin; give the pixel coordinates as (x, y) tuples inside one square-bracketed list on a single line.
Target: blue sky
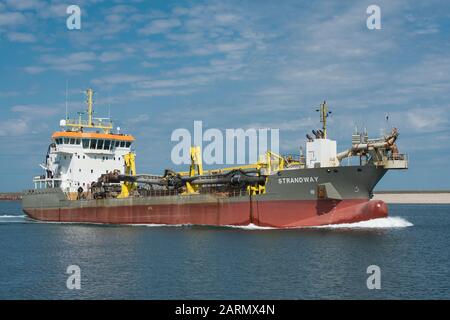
[(160, 65)]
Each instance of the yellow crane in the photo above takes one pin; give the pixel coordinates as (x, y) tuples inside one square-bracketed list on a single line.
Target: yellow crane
[(130, 169)]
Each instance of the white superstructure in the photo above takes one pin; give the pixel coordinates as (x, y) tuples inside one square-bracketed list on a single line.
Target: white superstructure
[(77, 157), (321, 153)]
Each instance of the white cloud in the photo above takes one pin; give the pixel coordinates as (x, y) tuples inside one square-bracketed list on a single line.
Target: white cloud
[(138, 94), (24, 4), (54, 10), (159, 26), (34, 69), (141, 118), (13, 127), (21, 37), (34, 110), (428, 119), (180, 11), (186, 37), (74, 62), (9, 93), (232, 46), (226, 18), (11, 19), (118, 79), (26, 122), (176, 82), (147, 64), (111, 56)]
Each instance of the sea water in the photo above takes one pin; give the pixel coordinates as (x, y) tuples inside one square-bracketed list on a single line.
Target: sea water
[(411, 248)]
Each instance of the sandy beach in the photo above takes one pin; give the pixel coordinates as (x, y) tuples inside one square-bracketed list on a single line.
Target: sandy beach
[(414, 197)]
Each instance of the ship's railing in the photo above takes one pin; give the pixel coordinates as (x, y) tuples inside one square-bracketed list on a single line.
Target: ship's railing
[(393, 161), (158, 193), (164, 193), (85, 123), (237, 193), (396, 161), (292, 156), (398, 156), (40, 182)]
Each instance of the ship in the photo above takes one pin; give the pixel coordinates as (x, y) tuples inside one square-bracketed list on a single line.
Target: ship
[(89, 176)]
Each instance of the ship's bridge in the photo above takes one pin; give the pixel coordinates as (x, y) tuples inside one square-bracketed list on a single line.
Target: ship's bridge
[(90, 142), (82, 150)]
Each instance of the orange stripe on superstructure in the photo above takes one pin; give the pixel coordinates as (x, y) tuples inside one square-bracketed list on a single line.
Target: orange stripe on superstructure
[(92, 135)]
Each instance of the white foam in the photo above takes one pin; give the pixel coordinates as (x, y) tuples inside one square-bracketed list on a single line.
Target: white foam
[(380, 223), (157, 225), (250, 226), (11, 216)]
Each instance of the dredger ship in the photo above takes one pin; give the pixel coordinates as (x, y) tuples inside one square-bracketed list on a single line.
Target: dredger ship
[(90, 177)]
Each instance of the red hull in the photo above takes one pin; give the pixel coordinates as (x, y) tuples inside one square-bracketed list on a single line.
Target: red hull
[(280, 214)]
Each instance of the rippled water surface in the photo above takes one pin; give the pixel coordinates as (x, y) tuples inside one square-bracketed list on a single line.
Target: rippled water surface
[(412, 248)]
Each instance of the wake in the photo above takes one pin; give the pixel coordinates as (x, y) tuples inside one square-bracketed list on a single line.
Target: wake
[(10, 218), (380, 223), (6, 216)]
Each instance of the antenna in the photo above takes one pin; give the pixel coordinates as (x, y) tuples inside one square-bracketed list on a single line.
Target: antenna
[(67, 97), (387, 123), (89, 93), (109, 104), (324, 113)]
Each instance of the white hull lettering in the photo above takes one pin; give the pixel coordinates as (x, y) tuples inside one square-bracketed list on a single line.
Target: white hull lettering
[(298, 180)]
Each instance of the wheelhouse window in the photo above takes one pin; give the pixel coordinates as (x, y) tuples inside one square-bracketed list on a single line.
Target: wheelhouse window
[(93, 143), (128, 144), (66, 140), (72, 141), (100, 144), (107, 144), (122, 144), (85, 143), (117, 144)]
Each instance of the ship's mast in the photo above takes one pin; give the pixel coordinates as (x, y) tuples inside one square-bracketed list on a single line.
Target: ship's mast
[(89, 94), (324, 113), (104, 124)]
